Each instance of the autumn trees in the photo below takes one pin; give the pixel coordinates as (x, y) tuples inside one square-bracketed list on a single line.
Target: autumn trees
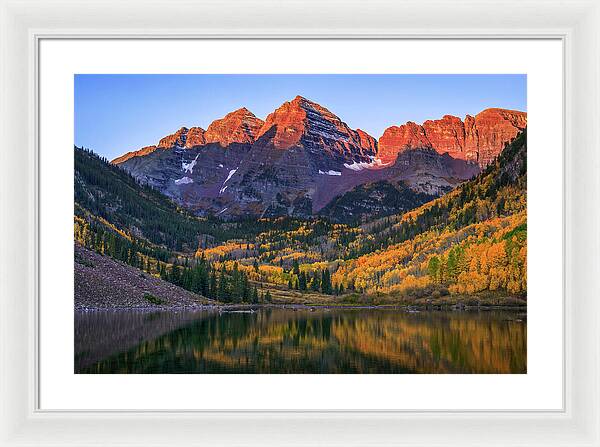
[(490, 256)]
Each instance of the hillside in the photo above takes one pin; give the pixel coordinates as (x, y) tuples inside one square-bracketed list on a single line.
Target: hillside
[(373, 200), (470, 241), (101, 282)]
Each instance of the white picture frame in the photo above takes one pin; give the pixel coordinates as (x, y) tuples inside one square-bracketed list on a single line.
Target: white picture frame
[(23, 24)]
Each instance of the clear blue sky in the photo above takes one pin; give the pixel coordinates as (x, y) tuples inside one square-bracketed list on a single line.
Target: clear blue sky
[(115, 114)]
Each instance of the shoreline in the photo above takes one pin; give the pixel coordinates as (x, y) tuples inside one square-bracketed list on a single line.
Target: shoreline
[(228, 308)]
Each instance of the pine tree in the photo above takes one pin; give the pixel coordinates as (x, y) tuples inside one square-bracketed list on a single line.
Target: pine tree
[(433, 268), (246, 293), (302, 281), (222, 289), (212, 287), (326, 282), (315, 284), (236, 284), (175, 274)]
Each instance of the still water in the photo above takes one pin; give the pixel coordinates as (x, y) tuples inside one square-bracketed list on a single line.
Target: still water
[(276, 340)]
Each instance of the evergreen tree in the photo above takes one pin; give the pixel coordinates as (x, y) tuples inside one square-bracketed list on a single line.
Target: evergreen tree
[(222, 288), (246, 292), (175, 274), (326, 282), (212, 287), (315, 284), (302, 281), (433, 268), (236, 284)]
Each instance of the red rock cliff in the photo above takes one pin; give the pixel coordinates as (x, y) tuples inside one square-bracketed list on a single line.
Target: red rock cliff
[(480, 138)]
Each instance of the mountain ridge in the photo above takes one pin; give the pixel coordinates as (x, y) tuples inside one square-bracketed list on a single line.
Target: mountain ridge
[(302, 156), (478, 139)]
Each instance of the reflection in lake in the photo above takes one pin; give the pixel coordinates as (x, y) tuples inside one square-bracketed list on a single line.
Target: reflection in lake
[(275, 340)]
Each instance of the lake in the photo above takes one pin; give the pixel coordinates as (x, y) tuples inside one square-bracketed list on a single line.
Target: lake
[(278, 340)]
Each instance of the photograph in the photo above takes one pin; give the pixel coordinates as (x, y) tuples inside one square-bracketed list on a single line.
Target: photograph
[(300, 223)]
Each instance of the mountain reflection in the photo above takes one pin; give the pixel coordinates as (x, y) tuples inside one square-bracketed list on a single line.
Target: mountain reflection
[(274, 340)]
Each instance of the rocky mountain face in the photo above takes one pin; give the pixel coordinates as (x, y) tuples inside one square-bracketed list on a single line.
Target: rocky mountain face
[(479, 139), (240, 126), (303, 156)]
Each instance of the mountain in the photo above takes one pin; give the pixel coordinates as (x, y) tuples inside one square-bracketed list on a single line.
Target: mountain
[(303, 123), (303, 156), (478, 139)]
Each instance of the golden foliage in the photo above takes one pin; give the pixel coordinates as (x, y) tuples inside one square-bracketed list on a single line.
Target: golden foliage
[(486, 256)]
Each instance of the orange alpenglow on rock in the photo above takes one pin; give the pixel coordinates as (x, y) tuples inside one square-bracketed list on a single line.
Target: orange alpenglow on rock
[(479, 139), (176, 139), (240, 126), (195, 137), (140, 153), (302, 119)]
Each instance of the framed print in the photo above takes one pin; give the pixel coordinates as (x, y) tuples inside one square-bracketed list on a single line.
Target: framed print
[(305, 229)]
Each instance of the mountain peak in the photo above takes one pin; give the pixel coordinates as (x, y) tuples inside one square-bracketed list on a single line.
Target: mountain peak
[(178, 138), (300, 99), (239, 126), (242, 111), (302, 122)]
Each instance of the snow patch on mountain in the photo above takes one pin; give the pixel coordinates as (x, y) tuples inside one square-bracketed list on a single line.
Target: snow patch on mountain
[(223, 186), (373, 164), (233, 171), (330, 172), (183, 181), (189, 167)]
